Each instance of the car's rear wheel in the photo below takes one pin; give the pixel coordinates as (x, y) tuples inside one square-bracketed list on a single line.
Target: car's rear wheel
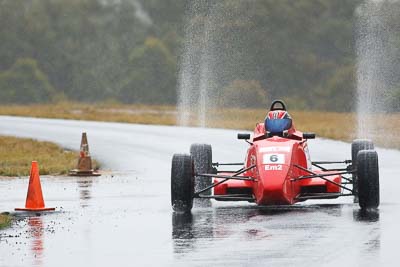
[(202, 159), (357, 146), (368, 179), (182, 183)]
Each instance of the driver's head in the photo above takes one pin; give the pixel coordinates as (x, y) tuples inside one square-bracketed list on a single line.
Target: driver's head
[(278, 121)]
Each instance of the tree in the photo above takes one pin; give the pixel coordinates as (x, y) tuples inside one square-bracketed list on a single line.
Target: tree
[(393, 99), (152, 75), (338, 92), (244, 94), (25, 83)]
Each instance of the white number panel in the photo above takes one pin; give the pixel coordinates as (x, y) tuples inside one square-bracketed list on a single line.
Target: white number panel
[(273, 158)]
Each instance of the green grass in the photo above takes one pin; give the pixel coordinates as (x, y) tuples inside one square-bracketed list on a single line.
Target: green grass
[(333, 125), (112, 112), (16, 155), (5, 220)]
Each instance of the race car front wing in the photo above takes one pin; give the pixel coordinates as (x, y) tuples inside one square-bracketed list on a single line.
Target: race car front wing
[(236, 175)]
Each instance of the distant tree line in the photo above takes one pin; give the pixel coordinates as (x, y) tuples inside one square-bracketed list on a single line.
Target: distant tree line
[(88, 50), (129, 50)]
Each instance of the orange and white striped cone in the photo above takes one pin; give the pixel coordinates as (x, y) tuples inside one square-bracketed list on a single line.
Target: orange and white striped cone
[(84, 167)]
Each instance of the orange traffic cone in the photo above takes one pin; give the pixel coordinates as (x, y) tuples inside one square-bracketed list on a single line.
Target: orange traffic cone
[(34, 198), (84, 167)]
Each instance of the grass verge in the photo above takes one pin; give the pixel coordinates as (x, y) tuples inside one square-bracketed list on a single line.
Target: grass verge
[(5, 220), (16, 155), (111, 112), (333, 125)]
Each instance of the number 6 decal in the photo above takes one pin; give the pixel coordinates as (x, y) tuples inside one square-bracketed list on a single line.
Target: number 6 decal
[(273, 158)]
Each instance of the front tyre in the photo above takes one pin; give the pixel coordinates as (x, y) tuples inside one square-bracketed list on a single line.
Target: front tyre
[(368, 179), (357, 146), (182, 183)]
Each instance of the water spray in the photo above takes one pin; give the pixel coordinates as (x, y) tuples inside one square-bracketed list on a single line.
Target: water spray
[(376, 63)]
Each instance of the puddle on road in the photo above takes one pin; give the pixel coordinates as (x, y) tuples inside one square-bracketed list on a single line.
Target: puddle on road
[(36, 230), (115, 219), (281, 235)]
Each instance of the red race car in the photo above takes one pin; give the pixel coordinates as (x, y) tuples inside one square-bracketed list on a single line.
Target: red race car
[(277, 170)]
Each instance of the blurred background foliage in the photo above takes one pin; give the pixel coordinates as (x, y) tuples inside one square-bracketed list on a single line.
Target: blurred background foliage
[(129, 51)]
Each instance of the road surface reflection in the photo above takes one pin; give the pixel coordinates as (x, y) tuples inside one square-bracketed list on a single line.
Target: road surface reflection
[(277, 231), (36, 231)]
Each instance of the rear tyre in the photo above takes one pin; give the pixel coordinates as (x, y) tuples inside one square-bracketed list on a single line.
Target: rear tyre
[(368, 179), (182, 183), (202, 159), (357, 146)]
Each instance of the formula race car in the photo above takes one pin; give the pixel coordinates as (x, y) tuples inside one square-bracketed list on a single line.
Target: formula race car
[(277, 170)]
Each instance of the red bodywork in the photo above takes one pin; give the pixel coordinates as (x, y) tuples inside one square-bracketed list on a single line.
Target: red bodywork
[(275, 173)]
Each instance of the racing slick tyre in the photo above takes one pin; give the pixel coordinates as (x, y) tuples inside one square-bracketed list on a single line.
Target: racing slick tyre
[(368, 179), (202, 159), (357, 146), (182, 183)]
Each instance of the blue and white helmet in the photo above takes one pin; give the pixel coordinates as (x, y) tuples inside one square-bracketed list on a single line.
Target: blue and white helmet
[(278, 121)]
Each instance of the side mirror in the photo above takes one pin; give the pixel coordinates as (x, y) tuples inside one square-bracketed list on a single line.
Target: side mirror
[(243, 136), (309, 135)]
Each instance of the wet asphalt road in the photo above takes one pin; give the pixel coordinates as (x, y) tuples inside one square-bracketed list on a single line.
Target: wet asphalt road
[(124, 218)]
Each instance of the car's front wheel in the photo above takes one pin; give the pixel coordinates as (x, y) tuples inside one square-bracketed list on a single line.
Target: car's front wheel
[(368, 179), (357, 146), (182, 183)]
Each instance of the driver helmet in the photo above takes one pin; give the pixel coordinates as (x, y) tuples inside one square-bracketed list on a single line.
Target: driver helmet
[(278, 121)]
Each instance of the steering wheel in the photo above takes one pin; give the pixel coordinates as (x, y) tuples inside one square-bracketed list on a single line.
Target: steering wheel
[(273, 105)]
